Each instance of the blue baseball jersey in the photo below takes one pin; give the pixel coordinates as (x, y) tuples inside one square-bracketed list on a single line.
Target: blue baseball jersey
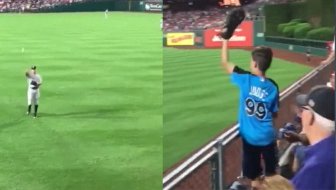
[(259, 99)]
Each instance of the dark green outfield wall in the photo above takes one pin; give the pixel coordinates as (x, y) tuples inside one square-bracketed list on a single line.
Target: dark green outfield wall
[(116, 5)]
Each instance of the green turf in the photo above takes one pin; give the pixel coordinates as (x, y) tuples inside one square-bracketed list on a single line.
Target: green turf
[(101, 102), (199, 100)]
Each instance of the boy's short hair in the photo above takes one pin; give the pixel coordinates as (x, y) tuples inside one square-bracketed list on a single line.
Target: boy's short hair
[(263, 57)]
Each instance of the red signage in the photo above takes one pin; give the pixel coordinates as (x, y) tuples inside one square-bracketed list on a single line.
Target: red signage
[(229, 3), (242, 37)]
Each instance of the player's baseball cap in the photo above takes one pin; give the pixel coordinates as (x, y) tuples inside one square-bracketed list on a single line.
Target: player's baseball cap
[(33, 67), (321, 99)]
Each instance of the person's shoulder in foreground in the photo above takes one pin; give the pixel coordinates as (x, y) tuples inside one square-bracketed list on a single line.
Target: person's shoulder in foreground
[(318, 121)]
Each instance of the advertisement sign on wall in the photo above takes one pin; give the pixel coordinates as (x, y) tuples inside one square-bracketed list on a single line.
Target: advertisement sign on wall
[(180, 39), (242, 37), (153, 6)]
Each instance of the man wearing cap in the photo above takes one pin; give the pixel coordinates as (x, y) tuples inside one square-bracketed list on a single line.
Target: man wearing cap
[(318, 122), (34, 81)]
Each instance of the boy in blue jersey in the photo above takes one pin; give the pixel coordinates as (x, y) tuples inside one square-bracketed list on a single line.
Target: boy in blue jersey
[(258, 105)]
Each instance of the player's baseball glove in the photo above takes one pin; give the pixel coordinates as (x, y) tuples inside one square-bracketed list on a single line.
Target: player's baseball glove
[(34, 83), (233, 19)]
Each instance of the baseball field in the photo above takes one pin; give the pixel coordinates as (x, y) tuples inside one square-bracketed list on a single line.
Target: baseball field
[(199, 101), (100, 120)]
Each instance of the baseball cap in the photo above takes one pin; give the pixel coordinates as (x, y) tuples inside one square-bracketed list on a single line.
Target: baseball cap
[(33, 67), (321, 99)]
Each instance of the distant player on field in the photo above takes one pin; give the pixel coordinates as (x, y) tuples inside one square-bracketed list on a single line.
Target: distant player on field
[(308, 54), (106, 13), (161, 24), (34, 81)]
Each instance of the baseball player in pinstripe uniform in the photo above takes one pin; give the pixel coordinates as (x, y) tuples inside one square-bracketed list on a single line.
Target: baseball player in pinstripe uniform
[(34, 82)]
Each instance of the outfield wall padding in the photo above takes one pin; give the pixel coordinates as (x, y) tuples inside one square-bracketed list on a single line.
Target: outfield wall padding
[(93, 6), (259, 33), (298, 48), (317, 48)]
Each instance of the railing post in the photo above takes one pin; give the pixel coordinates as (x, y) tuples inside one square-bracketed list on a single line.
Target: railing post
[(214, 173), (220, 164)]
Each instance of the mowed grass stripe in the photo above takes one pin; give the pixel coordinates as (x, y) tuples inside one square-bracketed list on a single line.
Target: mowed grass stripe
[(199, 99), (101, 115)]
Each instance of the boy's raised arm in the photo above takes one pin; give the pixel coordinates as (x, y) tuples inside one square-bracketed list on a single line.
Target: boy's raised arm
[(225, 58)]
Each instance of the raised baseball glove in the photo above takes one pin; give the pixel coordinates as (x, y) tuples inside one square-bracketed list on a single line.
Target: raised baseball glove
[(233, 19)]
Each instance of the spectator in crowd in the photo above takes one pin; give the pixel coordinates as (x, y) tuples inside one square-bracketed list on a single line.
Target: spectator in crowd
[(275, 182), (291, 159), (289, 153), (331, 56), (293, 156), (318, 122)]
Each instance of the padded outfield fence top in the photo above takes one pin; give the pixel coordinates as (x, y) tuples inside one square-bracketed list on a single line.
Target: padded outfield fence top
[(102, 5), (299, 42)]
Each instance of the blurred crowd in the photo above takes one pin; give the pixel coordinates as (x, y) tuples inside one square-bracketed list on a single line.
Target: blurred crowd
[(27, 5), (279, 1), (190, 19), (194, 19), (200, 19), (210, 17)]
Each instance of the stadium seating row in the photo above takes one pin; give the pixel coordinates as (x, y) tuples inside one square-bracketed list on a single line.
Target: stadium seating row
[(24, 5)]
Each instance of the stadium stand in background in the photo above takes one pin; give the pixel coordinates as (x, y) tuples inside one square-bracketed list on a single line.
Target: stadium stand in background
[(26, 5), (35, 6), (195, 19), (209, 17)]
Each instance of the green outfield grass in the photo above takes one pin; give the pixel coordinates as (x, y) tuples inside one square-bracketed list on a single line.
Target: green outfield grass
[(100, 124), (199, 100)]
